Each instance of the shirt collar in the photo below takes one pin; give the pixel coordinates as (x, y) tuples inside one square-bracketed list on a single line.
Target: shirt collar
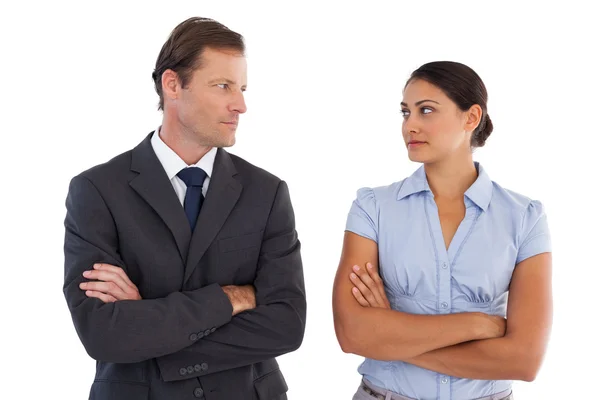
[(415, 183), (479, 193), (172, 163), (481, 190)]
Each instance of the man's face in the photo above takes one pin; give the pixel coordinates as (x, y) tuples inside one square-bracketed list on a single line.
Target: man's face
[(209, 107)]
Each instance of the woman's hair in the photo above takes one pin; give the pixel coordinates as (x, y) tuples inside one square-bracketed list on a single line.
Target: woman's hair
[(463, 86)]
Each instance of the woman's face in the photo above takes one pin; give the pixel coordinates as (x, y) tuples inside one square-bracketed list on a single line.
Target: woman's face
[(434, 127)]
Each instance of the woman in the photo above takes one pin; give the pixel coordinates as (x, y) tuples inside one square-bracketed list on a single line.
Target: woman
[(427, 262)]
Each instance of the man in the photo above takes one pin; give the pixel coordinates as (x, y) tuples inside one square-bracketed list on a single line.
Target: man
[(183, 273)]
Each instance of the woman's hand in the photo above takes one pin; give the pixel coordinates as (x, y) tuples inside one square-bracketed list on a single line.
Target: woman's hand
[(368, 288)]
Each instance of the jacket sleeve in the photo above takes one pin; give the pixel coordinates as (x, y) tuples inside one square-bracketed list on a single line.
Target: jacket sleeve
[(275, 327), (126, 331)]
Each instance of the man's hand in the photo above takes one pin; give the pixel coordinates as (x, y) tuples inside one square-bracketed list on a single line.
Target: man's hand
[(111, 284), (368, 289), (242, 298)]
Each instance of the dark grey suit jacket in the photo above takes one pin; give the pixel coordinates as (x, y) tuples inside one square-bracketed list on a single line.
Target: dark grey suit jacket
[(180, 341)]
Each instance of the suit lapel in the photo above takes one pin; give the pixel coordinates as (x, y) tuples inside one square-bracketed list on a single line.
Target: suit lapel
[(223, 193), (153, 185)]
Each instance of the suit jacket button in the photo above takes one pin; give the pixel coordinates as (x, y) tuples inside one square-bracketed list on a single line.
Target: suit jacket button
[(200, 335), (197, 368), (213, 329), (204, 366), (182, 371), (207, 332), (198, 392), (190, 369), (193, 337)]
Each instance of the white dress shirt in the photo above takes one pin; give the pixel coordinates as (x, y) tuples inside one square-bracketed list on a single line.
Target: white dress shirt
[(172, 164)]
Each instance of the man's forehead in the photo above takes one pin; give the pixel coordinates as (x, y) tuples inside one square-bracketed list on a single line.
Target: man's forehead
[(212, 54)]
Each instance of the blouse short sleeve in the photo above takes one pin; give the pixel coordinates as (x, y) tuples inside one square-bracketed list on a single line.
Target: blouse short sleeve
[(535, 235), (362, 218)]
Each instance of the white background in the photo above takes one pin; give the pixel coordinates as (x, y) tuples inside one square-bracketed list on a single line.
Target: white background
[(323, 100)]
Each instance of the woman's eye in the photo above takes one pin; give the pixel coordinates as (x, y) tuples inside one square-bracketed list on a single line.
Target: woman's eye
[(405, 113), (426, 110)]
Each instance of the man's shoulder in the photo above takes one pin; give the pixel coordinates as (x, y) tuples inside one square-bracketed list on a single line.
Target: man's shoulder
[(114, 168), (253, 172)]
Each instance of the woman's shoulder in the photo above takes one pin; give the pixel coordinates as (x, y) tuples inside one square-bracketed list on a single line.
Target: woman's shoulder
[(530, 220), (367, 208), (380, 194), (514, 200)]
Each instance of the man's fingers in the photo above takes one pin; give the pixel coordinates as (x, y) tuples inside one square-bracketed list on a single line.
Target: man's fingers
[(114, 269), (107, 276), (111, 281), (109, 288), (359, 297), (106, 298)]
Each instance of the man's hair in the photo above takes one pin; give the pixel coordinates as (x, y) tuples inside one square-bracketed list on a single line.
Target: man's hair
[(182, 52)]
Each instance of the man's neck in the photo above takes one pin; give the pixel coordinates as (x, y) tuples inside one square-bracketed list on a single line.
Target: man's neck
[(181, 143)]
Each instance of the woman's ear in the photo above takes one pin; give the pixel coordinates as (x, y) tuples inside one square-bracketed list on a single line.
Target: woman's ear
[(474, 115)]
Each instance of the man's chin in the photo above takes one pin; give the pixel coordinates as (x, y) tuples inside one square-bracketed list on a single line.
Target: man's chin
[(230, 142), (226, 143)]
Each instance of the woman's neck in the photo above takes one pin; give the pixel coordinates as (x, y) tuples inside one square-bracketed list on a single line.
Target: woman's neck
[(451, 178)]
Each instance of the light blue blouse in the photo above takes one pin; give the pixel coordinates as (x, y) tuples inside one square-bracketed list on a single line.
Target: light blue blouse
[(501, 228)]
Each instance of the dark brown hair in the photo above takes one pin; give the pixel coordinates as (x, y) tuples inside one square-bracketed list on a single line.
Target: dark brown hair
[(182, 52), (464, 87)]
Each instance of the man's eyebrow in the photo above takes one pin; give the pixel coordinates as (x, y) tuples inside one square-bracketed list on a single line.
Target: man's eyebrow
[(229, 81)]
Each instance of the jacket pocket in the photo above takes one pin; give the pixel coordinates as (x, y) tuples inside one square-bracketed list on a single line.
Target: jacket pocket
[(240, 242), (271, 386), (114, 390)]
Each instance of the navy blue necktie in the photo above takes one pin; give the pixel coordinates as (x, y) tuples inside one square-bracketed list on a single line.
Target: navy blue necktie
[(193, 177)]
